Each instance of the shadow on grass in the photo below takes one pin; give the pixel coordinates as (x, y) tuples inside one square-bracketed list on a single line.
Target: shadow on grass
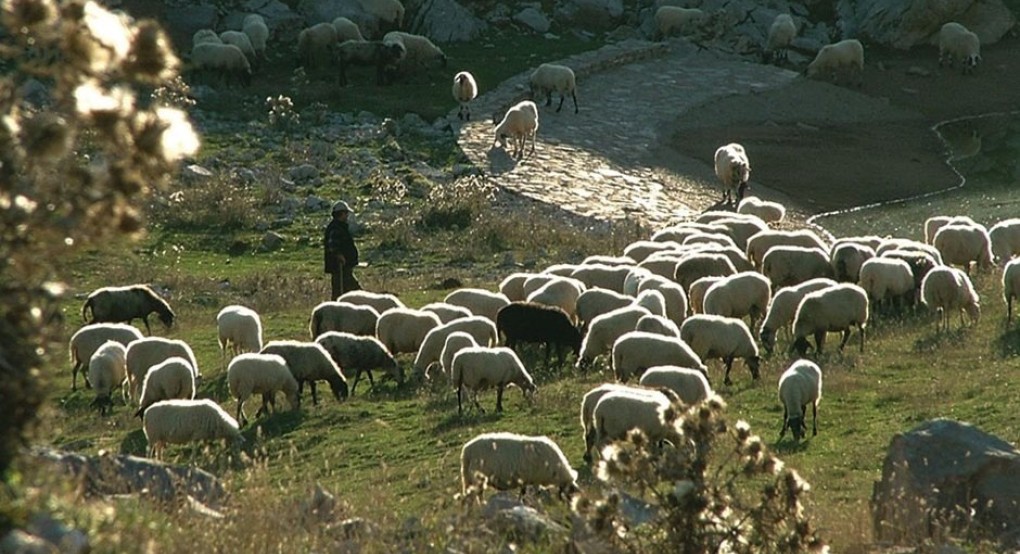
[(134, 443), (470, 418), (1008, 343), (500, 160), (786, 445), (939, 339), (277, 424)]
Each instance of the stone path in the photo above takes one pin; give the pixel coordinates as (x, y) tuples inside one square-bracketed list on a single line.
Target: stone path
[(607, 161)]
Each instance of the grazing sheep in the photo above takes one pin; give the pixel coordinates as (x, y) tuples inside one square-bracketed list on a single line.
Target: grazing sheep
[(846, 259), (781, 33), (636, 351), (769, 212), (920, 263), (947, 289), (641, 249), (240, 330), (911, 245), (402, 330), (790, 265), (726, 338), (619, 412), (144, 353), (549, 78), (1010, 286), (314, 44), (507, 460), (561, 292), (465, 89), (88, 339), (591, 399), (738, 295), (224, 61), (657, 324), (346, 30), (358, 354), (264, 374), (760, 243), (691, 268), (126, 304), (344, 317), (651, 300), (478, 367), (167, 380), (959, 43), (799, 386), (479, 301), (605, 259), (961, 244), (887, 280), (712, 239), (674, 19), (673, 295), (389, 13), (240, 40), (597, 301), (604, 330), (184, 421), (1005, 238), (513, 286), (936, 222), (697, 291), (538, 280), (258, 33), (690, 385), (783, 309), (663, 264), (309, 361), (421, 52), (733, 170), (482, 329), (531, 322), (634, 280), (869, 241), (384, 56), (835, 308), (741, 228), (609, 277), (455, 342), (107, 370), (518, 125), (446, 312), (205, 36), (845, 54)]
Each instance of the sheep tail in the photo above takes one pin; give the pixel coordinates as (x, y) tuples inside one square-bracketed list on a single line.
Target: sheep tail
[(86, 307)]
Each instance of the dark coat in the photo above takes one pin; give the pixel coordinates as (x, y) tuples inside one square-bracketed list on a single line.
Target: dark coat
[(337, 241)]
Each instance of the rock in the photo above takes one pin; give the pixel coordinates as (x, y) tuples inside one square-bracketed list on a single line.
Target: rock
[(35, 93), (904, 24), (446, 21), (947, 468), (636, 511), (316, 204), (195, 173), (66, 539), (320, 11), (533, 19), (592, 15), (321, 507), (508, 516), (20, 542), (244, 175), (303, 172), (271, 241), (918, 71), (276, 14), (181, 23)]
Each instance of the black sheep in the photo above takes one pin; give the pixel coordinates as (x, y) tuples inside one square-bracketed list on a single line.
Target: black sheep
[(521, 322), (125, 304), (383, 55)]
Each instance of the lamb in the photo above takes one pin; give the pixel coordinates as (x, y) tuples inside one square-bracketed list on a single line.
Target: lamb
[(690, 385), (734, 171), (790, 265), (800, 385), (446, 312), (508, 460), (482, 329), (672, 19), (184, 421), (344, 317), (726, 338), (358, 354), (696, 293), (694, 267), (390, 13), (783, 309), (224, 60), (309, 361), (167, 380), (835, 308), (742, 294), (240, 330), (947, 289), (455, 342), (88, 339), (610, 277), (657, 324), (264, 374), (465, 89), (561, 293), (518, 125), (835, 57), (107, 369), (258, 33), (781, 34), (402, 330), (769, 212), (528, 322), (384, 56), (962, 244), (597, 301), (604, 330), (478, 367), (202, 36), (760, 243), (479, 301), (126, 304), (673, 295), (619, 412), (144, 353), (846, 259), (549, 78), (1010, 286), (636, 351), (958, 42), (1005, 239), (346, 30), (421, 52), (887, 280), (240, 40), (314, 44)]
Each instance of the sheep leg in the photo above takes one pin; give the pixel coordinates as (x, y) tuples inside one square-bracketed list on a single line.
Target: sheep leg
[(1009, 310), (77, 366), (240, 413), (573, 95), (860, 329), (786, 423), (560, 106), (315, 397), (729, 364), (371, 382), (148, 331), (814, 419), (820, 340), (460, 404), (357, 377), (846, 337), (499, 399)]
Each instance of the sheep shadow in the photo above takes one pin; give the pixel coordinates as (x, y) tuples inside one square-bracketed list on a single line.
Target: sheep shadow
[(134, 443), (467, 420), (787, 445), (276, 424), (722, 206), (500, 160), (938, 339), (1008, 343)]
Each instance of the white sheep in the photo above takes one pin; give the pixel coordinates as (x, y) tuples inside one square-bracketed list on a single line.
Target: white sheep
[(144, 353), (894, 243), (726, 338), (536, 281), (549, 78), (379, 301), (634, 279), (184, 421), (870, 241), (309, 362), (769, 212), (651, 300), (479, 301), (619, 412), (657, 324), (402, 330), (107, 370), (591, 399), (224, 61), (479, 367), (126, 304), (641, 249), (610, 277), (597, 301), (604, 330), (561, 293), (344, 317), (390, 13), (359, 354), (760, 243), (481, 328), (315, 43), (606, 259), (781, 33), (690, 385), (513, 286), (167, 380), (738, 295), (421, 52), (845, 54), (264, 374), (790, 265), (518, 125), (636, 351), (946, 290), (834, 308), (846, 259), (446, 312), (691, 268), (673, 295), (733, 169), (800, 385), (741, 227), (386, 57), (240, 40), (205, 36), (887, 280), (455, 342), (85, 341), (240, 330), (465, 89), (673, 19), (711, 239), (961, 244), (783, 308), (258, 33), (507, 460), (1010, 286), (1005, 238), (956, 42), (346, 30), (697, 291), (920, 263), (663, 264), (936, 222)]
